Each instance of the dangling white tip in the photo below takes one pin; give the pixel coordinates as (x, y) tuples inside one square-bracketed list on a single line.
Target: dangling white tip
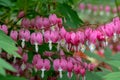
[(92, 47), (18, 74), (23, 43), (115, 37), (43, 70), (58, 46), (89, 11), (74, 47), (83, 78), (101, 13), (53, 28), (60, 72), (23, 66), (83, 48), (36, 47), (69, 74), (50, 45), (108, 13), (14, 60), (67, 47), (35, 69), (106, 41), (43, 31), (9, 56)]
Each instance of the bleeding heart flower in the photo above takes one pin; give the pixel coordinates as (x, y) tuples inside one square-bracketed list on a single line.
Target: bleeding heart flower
[(53, 19), (39, 22), (82, 7), (4, 28), (51, 37), (35, 58), (24, 35), (107, 10), (36, 39), (21, 14), (14, 35), (60, 65), (91, 67), (70, 67), (43, 65), (25, 23), (24, 59), (77, 68)]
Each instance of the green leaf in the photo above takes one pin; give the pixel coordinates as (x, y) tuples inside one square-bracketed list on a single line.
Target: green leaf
[(7, 39), (114, 63), (93, 76), (107, 52), (2, 71), (90, 54), (115, 56), (6, 3), (112, 76), (72, 18), (10, 77), (6, 65), (8, 44)]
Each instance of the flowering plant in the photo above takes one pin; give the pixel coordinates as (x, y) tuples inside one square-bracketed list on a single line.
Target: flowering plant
[(39, 46)]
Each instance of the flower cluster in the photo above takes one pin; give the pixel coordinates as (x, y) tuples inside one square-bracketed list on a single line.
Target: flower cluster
[(40, 30), (101, 9)]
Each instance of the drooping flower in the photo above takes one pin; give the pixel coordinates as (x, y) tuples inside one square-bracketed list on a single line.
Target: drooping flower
[(51, 37), (107, 10), (36, 39), (35, 59), (25, 23), (39, 22), (89, 7), (77, 68), (82, 7), (82, 72), (4, 28), (46, 23), (70, 67), (24, 35), (14, 35), (101, 10), (95, 9), (43, 65), (60, 65), (53, 19), (91, 67), (24, 60), (92, 40), (21, 14)]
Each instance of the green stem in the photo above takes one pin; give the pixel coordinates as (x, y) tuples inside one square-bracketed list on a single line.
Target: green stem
[(117, 7)]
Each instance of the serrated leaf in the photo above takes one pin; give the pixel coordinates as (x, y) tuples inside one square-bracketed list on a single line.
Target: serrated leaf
[(107, 52), (6, 65)]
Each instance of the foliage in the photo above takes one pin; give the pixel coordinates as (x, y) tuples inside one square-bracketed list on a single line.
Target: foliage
[(65, 9)]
